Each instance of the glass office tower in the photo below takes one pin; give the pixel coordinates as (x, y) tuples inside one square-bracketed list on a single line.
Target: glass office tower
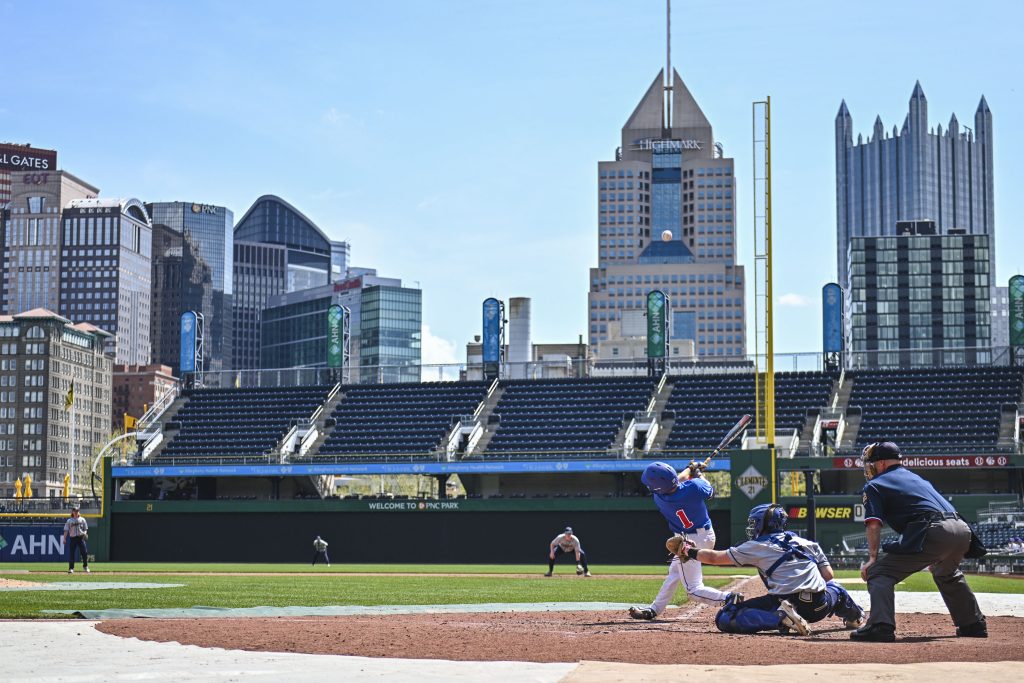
[(193, 248)]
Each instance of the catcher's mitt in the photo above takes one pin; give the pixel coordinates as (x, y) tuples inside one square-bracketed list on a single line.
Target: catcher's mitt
[(678, 545)]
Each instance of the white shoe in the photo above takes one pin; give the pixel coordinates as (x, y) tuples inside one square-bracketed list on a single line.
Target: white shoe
[(587, 574), (328, 564), (87, 571), (71, 571), (857, 622), (792, 620)]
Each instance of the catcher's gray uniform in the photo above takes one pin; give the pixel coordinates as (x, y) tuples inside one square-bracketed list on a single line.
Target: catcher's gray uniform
[(788, 577)]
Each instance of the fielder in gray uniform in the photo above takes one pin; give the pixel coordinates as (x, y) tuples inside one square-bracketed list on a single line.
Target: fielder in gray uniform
[(801, 586), (566, 542), (76, 530)]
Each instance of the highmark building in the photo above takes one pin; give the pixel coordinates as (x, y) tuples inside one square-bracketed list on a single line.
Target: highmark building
[(668, 175), (914, 173), (193, 247), (386, 328)]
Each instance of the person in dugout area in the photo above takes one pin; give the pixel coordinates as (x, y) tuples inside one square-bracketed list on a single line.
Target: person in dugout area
[(566, 542), (801, 586), (932, 535)]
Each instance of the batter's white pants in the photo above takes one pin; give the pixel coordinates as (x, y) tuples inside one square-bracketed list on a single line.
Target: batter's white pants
[(691, 575)]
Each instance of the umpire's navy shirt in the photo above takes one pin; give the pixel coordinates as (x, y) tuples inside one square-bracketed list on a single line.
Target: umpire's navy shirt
[(898, 496)]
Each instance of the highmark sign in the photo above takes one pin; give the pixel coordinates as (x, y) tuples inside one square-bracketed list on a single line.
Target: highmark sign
[(669, 146)]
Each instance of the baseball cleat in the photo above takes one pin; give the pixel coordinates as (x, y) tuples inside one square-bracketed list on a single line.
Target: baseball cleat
[(71, 571), (978, 629), (875, 633), (642, 613), (586, 574), (856, 622), (792, 620), (87, 571), (547, 573)]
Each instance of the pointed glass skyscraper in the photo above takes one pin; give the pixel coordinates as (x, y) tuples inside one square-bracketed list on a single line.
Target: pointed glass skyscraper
[(913, 174), (668, 175)]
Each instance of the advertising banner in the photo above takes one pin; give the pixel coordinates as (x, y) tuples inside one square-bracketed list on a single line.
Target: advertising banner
[(29, 159), (335, 332), (39, 543), (1017, 310), (832, 318), (657, 323), (933, 461), (187, 359), (492, 331)]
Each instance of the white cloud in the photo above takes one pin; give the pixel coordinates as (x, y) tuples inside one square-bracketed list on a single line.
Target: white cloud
[(793, 300), (436, 350)]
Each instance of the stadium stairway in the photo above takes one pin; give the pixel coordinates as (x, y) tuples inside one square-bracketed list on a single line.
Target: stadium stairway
[(665, 420), (162, 420), (325, 423), (484, 413)]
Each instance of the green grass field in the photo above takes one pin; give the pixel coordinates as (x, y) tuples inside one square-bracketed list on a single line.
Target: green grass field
[(365, 585)]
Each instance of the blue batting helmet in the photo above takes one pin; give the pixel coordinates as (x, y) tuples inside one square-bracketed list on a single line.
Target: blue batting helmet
[(766, 518), (660, 477)]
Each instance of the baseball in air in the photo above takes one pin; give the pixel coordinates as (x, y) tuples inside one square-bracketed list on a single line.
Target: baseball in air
[(666, 235)]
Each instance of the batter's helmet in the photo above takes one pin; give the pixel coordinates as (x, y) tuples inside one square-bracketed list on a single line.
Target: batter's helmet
[(660, 477), (766, 518)]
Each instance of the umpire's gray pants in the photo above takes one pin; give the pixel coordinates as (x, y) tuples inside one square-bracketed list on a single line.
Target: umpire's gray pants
[(944, 546)]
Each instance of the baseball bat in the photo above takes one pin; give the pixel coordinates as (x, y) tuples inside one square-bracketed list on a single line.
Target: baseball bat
[(729, 437)]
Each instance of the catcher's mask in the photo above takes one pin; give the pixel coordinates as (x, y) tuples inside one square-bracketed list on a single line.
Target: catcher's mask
[(880, 450), (766, 518), (660, 477)]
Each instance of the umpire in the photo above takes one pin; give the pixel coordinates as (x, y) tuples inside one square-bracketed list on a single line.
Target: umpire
[(932, 535)]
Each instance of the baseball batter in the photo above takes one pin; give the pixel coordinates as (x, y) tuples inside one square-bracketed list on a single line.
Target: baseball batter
[(567, 542), (682, 500)]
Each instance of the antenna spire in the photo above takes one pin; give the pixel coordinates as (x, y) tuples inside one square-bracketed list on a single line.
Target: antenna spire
[(668, 64)]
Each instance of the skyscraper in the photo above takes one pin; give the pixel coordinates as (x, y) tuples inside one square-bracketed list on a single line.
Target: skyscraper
[(30, 268), (670, 180), (106, 272), (311, 260), (915, 173), (193, 246)]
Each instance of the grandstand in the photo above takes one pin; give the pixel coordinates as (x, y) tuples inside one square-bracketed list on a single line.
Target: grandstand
[(244, 425)]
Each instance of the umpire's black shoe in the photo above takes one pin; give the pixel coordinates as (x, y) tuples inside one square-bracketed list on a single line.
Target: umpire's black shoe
[(875, 633), (978, 629)]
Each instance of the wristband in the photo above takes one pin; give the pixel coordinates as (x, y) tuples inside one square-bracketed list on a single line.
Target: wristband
[(692, 553)]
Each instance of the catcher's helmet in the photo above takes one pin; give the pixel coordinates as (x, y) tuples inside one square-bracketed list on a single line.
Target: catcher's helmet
[(660, 477), (766, 518)]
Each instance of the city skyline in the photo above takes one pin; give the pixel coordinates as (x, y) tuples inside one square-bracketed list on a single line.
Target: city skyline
[(470, 212)]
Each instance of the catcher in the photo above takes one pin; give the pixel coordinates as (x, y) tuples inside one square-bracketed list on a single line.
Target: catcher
[(801, 586), (681, 499)]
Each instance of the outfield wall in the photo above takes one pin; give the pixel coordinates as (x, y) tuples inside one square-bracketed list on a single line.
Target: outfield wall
[(402, 533)]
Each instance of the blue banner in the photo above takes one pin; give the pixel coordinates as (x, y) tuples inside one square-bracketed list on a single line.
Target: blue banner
[(477, 467), (40, 543), (492, 331), (187, 358), (832, 318)]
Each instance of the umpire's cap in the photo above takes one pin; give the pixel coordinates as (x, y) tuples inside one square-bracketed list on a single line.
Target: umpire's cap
[(882, 450)]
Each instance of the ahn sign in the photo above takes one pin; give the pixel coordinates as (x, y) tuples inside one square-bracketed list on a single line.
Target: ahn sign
[(31, 543)]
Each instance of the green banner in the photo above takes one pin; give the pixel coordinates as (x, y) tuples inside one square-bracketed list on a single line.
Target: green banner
[(335, 333), (1017, 310), (657, 323)]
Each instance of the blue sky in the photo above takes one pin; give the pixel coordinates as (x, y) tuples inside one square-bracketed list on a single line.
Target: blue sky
[(455, 143)]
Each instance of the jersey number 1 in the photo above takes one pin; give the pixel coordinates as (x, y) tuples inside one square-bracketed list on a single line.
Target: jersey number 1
[(687, 524)]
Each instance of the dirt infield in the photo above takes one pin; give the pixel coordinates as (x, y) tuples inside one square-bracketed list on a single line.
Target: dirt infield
[(571, 637)]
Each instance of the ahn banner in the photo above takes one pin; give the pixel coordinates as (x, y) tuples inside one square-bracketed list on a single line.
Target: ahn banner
[(335, 334), (933, 461), (1016, 292), (657, 324), (832, 318), (32, 543)]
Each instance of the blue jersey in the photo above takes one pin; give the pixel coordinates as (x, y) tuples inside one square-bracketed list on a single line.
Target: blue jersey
[(684, 508)]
